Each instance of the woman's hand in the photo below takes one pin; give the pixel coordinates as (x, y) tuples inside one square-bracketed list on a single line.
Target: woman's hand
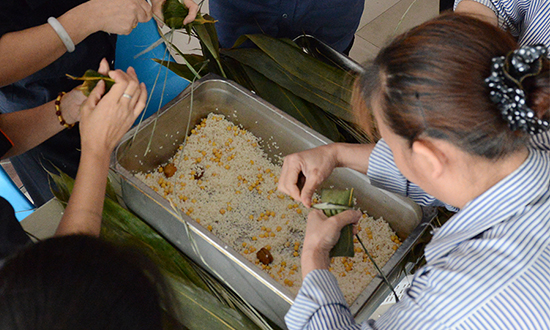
[(117, 17), (104, 120), (322, 233), (190, 4), (70, 105), (315, 165)]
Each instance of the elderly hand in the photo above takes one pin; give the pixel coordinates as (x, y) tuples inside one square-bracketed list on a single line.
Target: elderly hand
[(315, 164), (118, 17), (106, 118), (322, 234), (190, 4)]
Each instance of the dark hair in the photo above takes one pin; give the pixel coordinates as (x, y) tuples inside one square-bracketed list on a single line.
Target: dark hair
[(80, 282), (430, 81)]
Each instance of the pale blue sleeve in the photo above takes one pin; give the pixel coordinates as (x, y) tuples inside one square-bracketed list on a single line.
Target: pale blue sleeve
[(320, 305)]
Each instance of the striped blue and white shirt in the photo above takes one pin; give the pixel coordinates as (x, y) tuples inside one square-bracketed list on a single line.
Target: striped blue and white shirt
[(527, 20), (488, 267)]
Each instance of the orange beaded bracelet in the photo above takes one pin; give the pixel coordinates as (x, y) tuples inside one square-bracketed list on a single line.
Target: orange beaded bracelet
[(58, 111)]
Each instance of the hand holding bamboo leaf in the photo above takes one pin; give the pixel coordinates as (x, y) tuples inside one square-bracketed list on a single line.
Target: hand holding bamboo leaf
[(322, 233), (190, 5)]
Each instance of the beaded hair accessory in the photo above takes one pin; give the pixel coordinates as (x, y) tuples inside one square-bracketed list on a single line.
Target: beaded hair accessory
[(505, 82)]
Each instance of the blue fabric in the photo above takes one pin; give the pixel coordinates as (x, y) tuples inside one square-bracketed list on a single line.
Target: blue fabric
[(332, 21), (486, 268), (168, 85)]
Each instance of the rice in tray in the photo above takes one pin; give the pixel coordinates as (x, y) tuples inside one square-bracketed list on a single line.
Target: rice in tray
[(223, 180)]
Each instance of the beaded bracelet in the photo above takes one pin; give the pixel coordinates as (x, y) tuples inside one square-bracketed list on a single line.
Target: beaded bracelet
[(58, 111)]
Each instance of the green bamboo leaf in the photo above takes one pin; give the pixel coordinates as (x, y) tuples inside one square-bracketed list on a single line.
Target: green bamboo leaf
[(285, 100), (307, 68), (344, 246), (91, 78), (208, 38), (264, 64)]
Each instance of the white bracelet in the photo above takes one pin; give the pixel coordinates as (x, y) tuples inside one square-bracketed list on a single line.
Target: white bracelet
[(63, 35)]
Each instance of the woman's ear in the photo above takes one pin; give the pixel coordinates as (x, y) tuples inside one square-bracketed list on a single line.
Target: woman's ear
[(429, 158)]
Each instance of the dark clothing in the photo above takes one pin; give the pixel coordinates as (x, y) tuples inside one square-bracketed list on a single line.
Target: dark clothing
[(12, 235), (332, 21), (63, 149)]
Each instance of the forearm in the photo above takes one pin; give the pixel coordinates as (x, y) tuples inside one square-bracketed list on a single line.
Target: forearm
[(354, 156), (83, 212), (25, 52), (28, 128)]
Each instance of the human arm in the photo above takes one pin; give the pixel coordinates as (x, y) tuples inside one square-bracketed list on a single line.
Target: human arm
[(25, 52), (190, 4), (104, 120), (478, 9), (28, 128), (317, 164)]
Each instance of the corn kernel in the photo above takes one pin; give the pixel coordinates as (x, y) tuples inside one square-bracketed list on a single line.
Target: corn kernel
[(268, 247), (246, 251), (251, 162), (295, 254), (222, 211), (299, 211), (262, 235), (342, 274), (279, 228), (227, 167), (191, 210), (283, 263), (254, 238), (244, 244), (291, 272), (271, 234), (209, 227), (294, 267)]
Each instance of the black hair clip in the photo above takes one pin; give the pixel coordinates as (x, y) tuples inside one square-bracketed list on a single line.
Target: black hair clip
[(505, 82)]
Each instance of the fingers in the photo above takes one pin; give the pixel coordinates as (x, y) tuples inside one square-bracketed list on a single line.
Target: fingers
[(289, 179), (146, 12), (311, 183), (193, 10), (141, 102), (103, 67), (96, 94), (347, 217)]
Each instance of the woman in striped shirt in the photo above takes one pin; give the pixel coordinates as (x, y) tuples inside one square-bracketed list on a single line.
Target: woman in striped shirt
[(465, 141), (526, 20)]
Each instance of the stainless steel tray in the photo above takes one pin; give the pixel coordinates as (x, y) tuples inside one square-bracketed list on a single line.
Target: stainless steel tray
[(212, 94)]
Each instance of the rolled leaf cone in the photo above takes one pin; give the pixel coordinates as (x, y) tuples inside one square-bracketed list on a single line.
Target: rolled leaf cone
[(344, 246), (174, 13), (91, 78)]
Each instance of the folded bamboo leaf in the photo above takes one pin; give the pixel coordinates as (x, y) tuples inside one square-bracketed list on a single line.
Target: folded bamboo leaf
[(174, 13), (283, 99), (344, 246), (264, 64), (198, 307), (91, 78), (208, 38), (307, 68)]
